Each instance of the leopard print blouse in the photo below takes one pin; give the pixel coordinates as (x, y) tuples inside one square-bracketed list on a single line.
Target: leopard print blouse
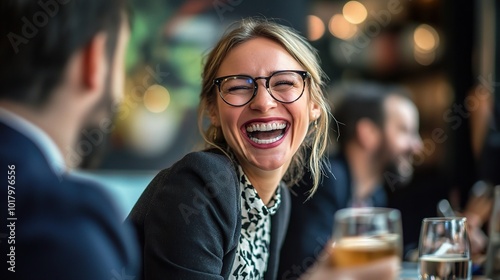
[(253, 249)]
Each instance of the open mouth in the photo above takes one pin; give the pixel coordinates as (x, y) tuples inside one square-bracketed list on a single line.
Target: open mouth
[(266, 133)]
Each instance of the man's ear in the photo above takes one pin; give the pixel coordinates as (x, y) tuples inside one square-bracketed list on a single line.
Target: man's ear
[(95, 63), (369, 134)]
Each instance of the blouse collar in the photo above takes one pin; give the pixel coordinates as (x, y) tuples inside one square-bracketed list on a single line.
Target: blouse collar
[(253, 203)]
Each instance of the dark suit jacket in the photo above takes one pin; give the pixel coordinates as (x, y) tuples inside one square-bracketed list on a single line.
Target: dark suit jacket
[(311, 221), (66, 227), (189, 220)]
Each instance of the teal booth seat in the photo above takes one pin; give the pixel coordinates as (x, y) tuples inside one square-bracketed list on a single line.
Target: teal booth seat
[(124, 186)]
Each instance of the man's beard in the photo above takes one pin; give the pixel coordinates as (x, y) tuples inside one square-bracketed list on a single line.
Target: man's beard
[(92, 131), (402, 168), (398, 169)]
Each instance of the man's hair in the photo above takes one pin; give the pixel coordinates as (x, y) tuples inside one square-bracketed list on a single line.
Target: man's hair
[(361, 101), (39, 37)]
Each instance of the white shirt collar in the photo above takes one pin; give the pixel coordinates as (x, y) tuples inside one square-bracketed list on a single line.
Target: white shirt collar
[(41, 139)]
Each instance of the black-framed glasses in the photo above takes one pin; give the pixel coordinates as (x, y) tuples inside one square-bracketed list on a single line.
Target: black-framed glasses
[(285, 86)]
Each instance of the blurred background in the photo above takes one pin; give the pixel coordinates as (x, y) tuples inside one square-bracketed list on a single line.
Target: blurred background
[(445, 52)]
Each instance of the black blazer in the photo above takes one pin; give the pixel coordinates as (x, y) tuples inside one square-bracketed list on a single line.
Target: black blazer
[(188, 220), (66, 227)]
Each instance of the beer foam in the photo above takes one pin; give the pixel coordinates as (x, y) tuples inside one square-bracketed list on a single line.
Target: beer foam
[(363, 243)]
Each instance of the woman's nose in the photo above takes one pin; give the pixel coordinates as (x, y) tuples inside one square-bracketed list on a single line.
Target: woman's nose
[(263, 101)]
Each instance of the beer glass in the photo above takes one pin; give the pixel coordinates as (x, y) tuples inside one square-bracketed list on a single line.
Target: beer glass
[(364, 235), (444, 249)]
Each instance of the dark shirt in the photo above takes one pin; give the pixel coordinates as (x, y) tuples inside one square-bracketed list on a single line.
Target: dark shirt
[(188, 220), (311, 221)]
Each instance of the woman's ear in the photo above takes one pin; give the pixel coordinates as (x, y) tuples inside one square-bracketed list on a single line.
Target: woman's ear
[(369, 134), (314, 112)]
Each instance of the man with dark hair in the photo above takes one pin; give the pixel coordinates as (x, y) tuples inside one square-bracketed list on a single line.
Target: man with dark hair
[(378, 134), (61, 71)]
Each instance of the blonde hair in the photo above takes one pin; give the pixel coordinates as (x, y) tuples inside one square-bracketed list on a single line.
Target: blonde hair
[(315, 143)]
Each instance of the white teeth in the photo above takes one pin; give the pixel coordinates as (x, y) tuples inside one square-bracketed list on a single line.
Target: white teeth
[(267, 141), (265, 127)]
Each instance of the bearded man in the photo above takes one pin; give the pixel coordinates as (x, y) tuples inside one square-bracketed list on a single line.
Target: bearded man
[(378, 136)]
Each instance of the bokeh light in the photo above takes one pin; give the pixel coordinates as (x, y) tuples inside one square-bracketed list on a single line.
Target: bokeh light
[(426, 38), (424, 58), (354, 12), (341, 28), (156, 99), (316, 27)]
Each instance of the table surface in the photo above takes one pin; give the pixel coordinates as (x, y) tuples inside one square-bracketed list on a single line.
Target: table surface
[(409, 271)]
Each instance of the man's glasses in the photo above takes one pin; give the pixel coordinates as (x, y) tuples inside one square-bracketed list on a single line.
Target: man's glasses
[(285, 86)]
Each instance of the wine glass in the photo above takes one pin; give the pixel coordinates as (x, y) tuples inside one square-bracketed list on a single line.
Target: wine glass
[(444, 249), (364, 235)]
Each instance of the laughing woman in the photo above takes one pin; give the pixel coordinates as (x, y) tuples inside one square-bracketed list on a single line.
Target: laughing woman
[(222, 213)]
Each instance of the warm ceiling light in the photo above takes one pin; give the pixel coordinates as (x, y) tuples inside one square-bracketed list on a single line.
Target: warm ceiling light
[(316, 27), (354, 12), (341, 28), (426, 38)]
